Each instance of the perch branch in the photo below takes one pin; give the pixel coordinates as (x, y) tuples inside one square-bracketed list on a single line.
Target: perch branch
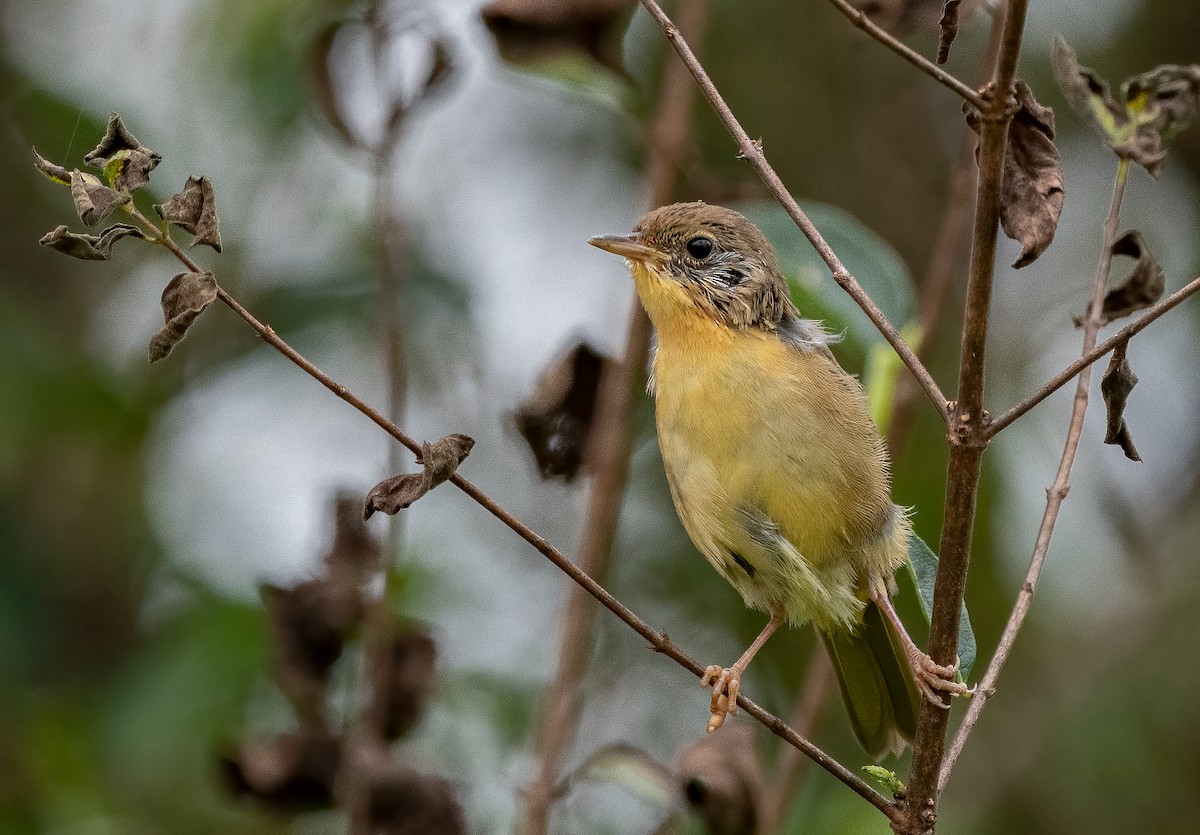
[(967, 439)]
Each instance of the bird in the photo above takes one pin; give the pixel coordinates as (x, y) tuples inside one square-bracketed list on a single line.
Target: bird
[(776, 470)]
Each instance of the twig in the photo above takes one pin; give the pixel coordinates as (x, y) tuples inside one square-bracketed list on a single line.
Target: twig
[(1056, 494), (1067, 374), (817, 680), (752, 152), (967, 439), (657, 640), (859, 18), (609, 452)]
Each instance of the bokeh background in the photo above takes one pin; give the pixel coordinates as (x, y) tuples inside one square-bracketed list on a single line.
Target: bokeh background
[(141, 507)]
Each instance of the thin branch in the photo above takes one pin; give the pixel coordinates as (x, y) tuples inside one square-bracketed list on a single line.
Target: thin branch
[(657, 640), (952, 240), (1056, 494), (609, 451), (860, 19), (752, 152), (967, 439), (1067, 374)]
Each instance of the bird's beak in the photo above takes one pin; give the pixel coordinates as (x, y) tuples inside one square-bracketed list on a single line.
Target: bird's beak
[(629, 246)]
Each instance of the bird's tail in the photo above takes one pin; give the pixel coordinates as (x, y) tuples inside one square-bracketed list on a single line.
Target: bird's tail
[(876, 684)]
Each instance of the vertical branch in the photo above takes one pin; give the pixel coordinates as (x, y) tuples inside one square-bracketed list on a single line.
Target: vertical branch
[(953, 237), (610, 449), (1057, 492), (967, 429)]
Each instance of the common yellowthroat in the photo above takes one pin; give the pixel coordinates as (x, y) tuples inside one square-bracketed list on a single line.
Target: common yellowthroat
[(776, 470)]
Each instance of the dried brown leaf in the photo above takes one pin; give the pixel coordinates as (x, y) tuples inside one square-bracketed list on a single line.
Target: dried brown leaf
[(403, 682), (533, 29), (1032, 190), (89, 247), (55, 172), (1144, 285), (904, 17), (947, 29), (291, 772), (194, 210), (556, 419), (1115, 386), (116, 139), (183, 300), (128, 171), (1156, 105), (440, 460), (94, 201), (405, 802), (720, 776)]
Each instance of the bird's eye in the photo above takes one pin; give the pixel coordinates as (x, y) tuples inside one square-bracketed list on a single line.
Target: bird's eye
[(700, 248)]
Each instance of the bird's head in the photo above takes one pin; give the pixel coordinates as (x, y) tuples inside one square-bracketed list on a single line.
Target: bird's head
[(692, 259)]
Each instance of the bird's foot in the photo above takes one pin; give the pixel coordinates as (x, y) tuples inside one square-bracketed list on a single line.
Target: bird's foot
[(932, 679), (725, 683)]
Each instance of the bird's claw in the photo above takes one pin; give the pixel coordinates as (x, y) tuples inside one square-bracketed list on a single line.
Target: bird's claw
[(932, 679), (726, 684)]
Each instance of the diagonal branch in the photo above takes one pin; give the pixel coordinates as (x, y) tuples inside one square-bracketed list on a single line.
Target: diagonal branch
[(859, 18), (752, 152), (1056, 494), (1067, 374), (657, 640)]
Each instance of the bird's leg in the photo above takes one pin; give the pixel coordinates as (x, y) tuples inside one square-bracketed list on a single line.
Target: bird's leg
[(930, 678), (726, 682)]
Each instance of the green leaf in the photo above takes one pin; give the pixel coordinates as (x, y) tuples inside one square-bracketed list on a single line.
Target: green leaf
[(880, 376), (872, 260), (920, 571)]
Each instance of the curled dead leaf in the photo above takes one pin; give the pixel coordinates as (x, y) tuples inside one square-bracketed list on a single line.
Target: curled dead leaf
[(94, 201), (1144, 284), (290, 772), (439, 459), (904, 17), (527, 30), (947, 29), (556, 419), (89, 247), (194, 210), (403, 682), (405, 802), (1156, 105), (116, 139), (1115, 387), (183, 300), (1032, 188), (54, 172)]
